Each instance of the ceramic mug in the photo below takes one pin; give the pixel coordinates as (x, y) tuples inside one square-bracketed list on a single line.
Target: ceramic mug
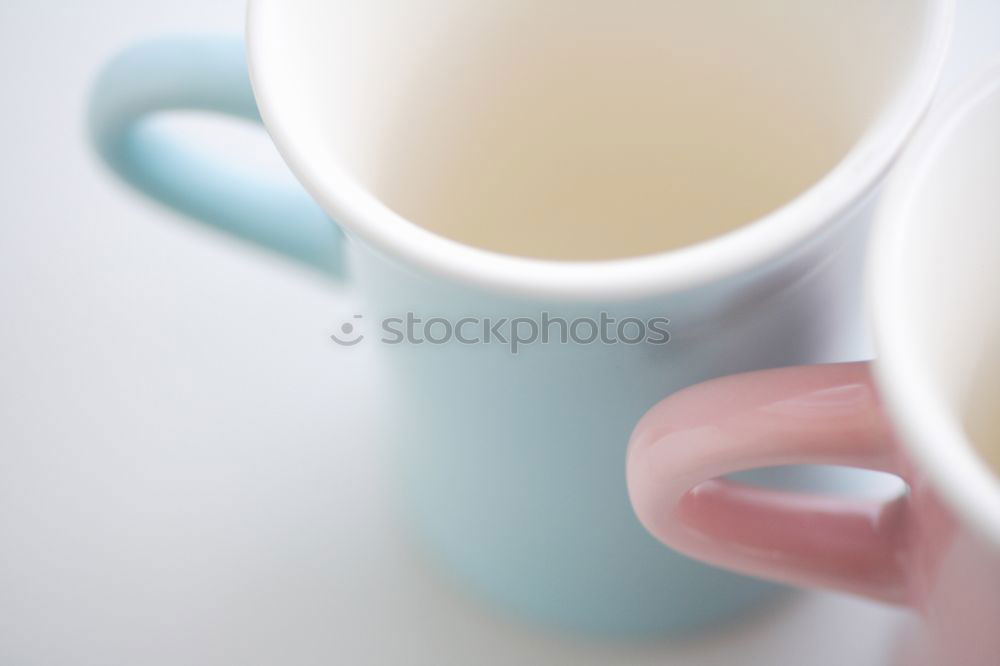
[(934, 269), (510, 464)]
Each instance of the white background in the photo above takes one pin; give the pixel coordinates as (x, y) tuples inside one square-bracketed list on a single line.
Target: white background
[(185, 476)]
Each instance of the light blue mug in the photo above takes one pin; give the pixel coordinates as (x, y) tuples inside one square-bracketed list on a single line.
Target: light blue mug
[(512, 464)]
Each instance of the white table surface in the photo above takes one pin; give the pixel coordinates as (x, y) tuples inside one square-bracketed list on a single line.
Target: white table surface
[(184, 471)]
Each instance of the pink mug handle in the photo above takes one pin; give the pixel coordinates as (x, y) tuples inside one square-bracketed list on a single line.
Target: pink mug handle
[(824, 414)]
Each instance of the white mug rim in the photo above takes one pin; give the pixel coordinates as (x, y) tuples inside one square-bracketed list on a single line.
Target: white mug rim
[(928, 427), (753, 244)]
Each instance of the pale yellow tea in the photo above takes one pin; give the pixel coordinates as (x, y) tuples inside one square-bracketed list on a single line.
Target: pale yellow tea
[(982, 418), (597, 154)]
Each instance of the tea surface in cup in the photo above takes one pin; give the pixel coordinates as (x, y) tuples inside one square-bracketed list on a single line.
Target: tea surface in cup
[(982, 417), (573, 138)]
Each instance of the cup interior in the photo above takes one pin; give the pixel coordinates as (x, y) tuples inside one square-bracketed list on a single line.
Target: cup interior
[(934, 272), (396, 95), (948, 261)]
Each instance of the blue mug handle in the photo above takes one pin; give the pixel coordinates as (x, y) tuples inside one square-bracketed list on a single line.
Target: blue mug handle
[(202, 74)]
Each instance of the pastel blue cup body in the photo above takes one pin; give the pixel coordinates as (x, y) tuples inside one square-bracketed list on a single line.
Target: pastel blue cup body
[(511, 467)]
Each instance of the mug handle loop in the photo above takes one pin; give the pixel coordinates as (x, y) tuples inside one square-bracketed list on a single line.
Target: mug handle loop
[(824, 415), (202, 74)]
